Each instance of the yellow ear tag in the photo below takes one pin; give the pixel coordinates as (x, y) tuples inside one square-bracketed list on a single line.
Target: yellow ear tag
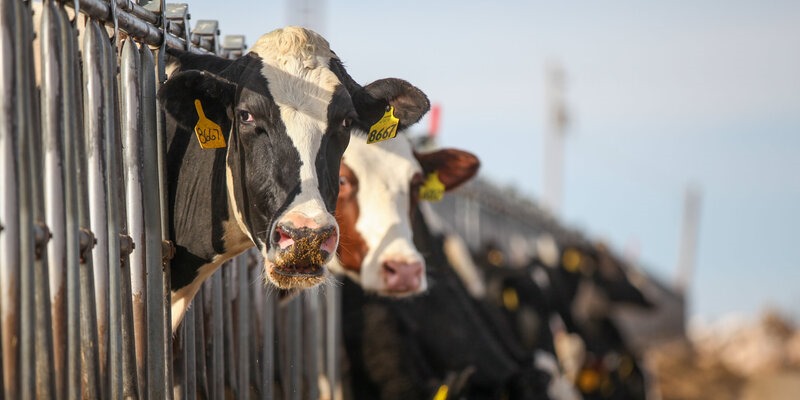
[(571, 260), (432, 189), (441, 394), (209, 134), (510, 299), (384, 129)]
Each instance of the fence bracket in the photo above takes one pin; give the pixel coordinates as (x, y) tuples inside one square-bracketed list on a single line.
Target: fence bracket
[(41, 235), (126, 245), (87, 242), (167, 251)]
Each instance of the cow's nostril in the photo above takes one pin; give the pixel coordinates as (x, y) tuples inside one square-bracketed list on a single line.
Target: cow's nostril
[(402, 277), (276, 236), (388, 268), (329, 243), (283, 238)]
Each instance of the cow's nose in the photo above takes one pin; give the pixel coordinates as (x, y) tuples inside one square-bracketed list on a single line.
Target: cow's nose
[(306, 239), (402, 276)]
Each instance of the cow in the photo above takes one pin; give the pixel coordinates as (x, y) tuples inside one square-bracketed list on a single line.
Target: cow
[(410, 348), (586, 282), (379, 188), (435, 344), (518, 299), (254, 147)]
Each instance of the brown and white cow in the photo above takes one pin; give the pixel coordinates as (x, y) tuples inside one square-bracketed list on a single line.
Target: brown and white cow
[(284, 112), (379, 188)]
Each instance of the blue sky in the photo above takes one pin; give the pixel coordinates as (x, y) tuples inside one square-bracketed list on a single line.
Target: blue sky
[(661, 94)]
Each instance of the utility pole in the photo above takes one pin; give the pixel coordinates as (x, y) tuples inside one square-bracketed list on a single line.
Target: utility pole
[(307, 13), (554, 138), (688, 242)]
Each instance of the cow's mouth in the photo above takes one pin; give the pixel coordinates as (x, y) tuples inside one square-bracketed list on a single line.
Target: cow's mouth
[(301, 265), (300, 270), (295, 276)]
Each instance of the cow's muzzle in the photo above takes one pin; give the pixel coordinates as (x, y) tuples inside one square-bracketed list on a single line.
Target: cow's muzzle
[(301, 252)]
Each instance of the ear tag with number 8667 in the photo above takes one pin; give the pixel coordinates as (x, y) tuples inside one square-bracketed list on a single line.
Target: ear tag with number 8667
[(209, 134), (385, 128), (432, 189)]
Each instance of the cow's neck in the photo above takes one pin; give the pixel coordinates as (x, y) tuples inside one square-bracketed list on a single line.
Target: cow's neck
[(203, 227)]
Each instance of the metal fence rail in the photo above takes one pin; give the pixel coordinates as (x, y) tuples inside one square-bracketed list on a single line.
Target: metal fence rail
[(84, 277)]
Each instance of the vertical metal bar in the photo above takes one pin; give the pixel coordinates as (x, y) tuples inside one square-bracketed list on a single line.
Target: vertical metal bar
[(332, 337), (143, 278), (98, 188), (35, 333), (201, 375), (228, 273), (256, 313), (190, 375), (311, 344), (243, 325), (24, 122), (94, 288), (268, 345), (156, 352), (9, 202), (131, 126), (179, 361), (294, 345), (217, 338), (115, 213), (166, 320), (53, 130), (73, 146)]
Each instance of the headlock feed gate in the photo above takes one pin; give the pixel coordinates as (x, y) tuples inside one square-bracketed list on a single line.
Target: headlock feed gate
[(84, 277)]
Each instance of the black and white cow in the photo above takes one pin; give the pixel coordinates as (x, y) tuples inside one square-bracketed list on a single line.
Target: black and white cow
[(285, 111), (587, 284)]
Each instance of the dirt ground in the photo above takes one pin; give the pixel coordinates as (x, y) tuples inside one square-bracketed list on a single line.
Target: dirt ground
[(681, 373)]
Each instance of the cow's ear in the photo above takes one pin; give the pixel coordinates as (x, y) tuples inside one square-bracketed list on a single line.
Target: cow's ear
[(453, 166), (409, 103), (179, 93)]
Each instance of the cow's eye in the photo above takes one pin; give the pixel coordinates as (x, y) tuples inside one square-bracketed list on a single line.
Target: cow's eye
[(347, 122), (246, 117), (343, 181)]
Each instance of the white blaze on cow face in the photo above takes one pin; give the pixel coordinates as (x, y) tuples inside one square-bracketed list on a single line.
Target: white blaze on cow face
[(392, 264), (302, 87)]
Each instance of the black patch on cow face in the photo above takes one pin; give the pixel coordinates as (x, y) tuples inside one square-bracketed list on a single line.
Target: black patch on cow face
[(263, 159), (341, 115)]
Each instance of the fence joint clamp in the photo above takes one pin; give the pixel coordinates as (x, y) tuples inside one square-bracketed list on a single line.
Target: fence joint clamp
[(87, 242), (41, 235), (126, 245), (167, 251)]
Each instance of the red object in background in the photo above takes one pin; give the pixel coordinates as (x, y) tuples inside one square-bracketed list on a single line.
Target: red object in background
[(436, 111)]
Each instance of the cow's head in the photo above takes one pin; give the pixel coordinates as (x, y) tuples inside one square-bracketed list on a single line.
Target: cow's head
[(592, 280), (379, 188), (286, 110)]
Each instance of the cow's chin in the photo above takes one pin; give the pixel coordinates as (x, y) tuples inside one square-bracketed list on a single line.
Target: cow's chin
[(287, 276)]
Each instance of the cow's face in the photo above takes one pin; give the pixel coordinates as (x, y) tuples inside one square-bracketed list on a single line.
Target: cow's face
[(379, 188), (593, 280), (286, 111)]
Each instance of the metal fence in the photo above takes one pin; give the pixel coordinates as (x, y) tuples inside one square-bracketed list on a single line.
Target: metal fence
[(84, 277), (483, 212)]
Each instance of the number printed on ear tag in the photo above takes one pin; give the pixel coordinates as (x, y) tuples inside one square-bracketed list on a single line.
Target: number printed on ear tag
[(209, 134), (432, 189), (384, 129)]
